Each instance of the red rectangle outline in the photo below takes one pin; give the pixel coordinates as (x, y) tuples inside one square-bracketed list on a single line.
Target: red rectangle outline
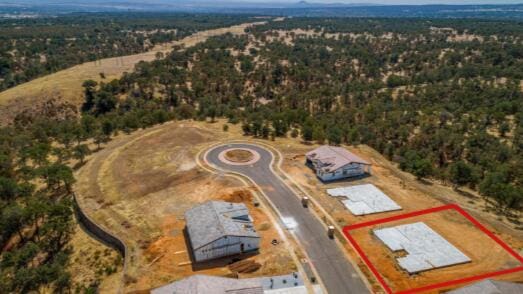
[(455, 207)]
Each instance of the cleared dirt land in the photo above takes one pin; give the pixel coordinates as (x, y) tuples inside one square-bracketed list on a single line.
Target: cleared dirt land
[(140, 185), (66, 85), (412, 195)]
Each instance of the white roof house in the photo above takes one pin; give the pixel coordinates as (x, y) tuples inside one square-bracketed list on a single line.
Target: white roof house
[(331, 163)]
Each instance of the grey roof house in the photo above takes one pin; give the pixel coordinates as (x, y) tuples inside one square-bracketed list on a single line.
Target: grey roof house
[(490, 287), (219, 228), (204, 284)]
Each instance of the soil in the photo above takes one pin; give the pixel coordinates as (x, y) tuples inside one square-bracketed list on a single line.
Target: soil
[(239, 155), (486, 255), (412, 195), (139, 187)]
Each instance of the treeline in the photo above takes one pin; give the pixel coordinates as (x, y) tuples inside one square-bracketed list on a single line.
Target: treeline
[(30, 48), (435, 119), (452, 111), (37, 157), (484, 27)]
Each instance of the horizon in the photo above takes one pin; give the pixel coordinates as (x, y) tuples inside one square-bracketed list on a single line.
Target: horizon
[(282, 2)]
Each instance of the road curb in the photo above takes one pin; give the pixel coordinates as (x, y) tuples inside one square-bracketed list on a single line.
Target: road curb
[(246, 180)]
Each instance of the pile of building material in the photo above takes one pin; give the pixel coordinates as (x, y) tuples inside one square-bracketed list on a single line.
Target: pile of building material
[(425, 248), (244, 266), (364, 199)]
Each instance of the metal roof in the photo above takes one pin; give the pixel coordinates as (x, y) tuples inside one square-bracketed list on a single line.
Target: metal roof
[(333, 158), (490, 287), (215, 219), (203, 284), (196, 284)]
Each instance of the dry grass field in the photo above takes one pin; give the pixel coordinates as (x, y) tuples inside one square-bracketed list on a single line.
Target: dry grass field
[(139, 185), (92, 262), (66, 85)]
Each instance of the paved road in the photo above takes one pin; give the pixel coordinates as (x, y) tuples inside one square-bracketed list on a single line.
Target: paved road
[(336, 272)]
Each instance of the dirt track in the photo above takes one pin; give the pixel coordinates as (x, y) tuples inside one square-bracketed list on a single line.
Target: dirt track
[(66, 85)]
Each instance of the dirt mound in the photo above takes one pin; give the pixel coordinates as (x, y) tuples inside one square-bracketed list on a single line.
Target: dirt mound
[(239, 155), (239, 196)]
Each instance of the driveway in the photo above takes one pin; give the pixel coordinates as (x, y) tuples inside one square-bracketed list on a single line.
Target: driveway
[(336, 272)]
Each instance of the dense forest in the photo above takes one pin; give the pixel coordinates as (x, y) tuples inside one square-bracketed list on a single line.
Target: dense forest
[(442, 98), (38, 153), (30, 48)]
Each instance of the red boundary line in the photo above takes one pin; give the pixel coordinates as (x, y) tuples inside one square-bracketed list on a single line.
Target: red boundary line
[(347, 229)]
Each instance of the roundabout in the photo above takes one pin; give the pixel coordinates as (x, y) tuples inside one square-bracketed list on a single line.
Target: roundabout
[(255, 163), (239, 156)]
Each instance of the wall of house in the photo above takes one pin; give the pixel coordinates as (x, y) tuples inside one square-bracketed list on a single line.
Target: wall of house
[(228, 245), (352, 170)]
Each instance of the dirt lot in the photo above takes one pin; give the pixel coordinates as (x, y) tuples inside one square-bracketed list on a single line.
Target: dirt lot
[(486, 255), (66, 85), (139, 187), (412, 195)]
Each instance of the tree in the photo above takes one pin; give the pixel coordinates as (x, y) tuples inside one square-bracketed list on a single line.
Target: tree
[(295, 133), (8, 189), (416, 164), (318, 134), (104, 102), (422, 168), (100, 138), (334, 135), (89, 93), (80, 152), (186, 111), (461, 174), (307, 130), (504, 128), (107, 127), (265, 131)]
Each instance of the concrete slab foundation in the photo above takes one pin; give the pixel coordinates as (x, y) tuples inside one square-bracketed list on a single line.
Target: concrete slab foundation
[(426, 249), (364, 199)]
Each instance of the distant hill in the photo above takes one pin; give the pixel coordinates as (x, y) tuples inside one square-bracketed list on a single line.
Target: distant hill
[(300, 8)]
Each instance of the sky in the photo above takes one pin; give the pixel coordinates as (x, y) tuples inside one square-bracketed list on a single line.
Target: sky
[(371, 1), (415, 2)]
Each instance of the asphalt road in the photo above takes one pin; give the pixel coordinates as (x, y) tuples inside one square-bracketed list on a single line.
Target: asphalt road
[(336, 272)]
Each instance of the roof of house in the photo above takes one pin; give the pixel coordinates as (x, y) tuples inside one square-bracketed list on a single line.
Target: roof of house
[(215, 219), (490, 287), (203, 284), (334, 157), (196, 284)]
